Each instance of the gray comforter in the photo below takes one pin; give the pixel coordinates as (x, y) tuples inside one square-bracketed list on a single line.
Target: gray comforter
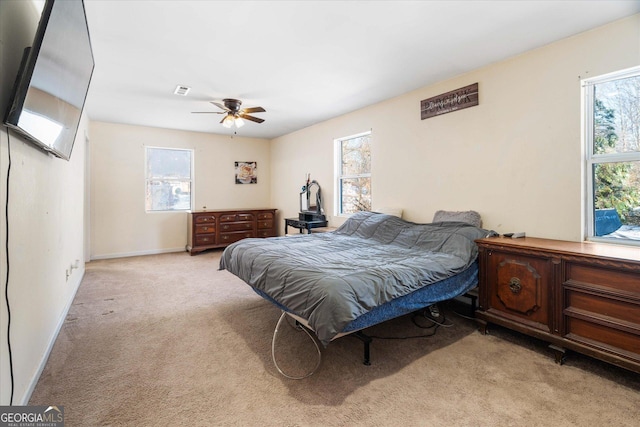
[(330, 279)]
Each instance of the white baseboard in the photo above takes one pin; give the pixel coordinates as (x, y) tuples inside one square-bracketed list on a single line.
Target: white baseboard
[(139, 253), (24, 400)]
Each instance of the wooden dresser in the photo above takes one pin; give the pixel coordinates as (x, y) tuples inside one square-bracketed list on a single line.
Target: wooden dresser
[(219, 228), (583, 297)]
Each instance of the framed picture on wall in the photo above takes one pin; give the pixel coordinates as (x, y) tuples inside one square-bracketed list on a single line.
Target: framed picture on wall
[(246, 172)]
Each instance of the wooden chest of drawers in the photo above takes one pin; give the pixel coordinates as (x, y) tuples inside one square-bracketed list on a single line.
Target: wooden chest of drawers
[(583, 297), (219, 228)]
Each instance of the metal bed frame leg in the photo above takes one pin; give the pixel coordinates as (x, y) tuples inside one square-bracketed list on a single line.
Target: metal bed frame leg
[(366, 340)]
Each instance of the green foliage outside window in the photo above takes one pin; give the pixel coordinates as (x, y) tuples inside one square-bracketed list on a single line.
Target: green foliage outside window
[(616, 184)]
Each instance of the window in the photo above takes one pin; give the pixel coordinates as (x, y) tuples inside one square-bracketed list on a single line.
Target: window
[(353, 171), (168, 179), (612, 108)]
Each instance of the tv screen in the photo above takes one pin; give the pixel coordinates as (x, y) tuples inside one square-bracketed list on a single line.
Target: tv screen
[(52, 84)]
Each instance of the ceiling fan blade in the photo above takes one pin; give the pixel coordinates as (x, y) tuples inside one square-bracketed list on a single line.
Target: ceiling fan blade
[(208, 112), (222, 107), (251, 118), (223, 119), (253, 110)]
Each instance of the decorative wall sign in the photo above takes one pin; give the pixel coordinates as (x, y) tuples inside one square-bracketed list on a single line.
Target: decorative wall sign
[(451, 101), (246, 173)]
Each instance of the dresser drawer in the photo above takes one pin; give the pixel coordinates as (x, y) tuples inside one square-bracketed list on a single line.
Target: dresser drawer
[(265, 223), (236, 217), (590, 304), (205, 228), (265, 215), (200, 219), (603, 278), (236, 226), (227, 238), (623, 342), (205, 239)]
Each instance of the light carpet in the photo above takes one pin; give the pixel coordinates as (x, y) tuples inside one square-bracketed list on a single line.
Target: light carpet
[(168, 340)]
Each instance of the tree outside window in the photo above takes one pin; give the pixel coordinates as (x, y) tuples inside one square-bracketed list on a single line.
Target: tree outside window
[(354, 174), (613, 108)]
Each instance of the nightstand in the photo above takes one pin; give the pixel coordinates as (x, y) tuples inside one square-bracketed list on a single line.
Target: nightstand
[(303, 225)]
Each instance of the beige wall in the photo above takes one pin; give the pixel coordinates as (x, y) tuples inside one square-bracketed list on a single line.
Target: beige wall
[(46, 226), (515, 158), (119, 224)]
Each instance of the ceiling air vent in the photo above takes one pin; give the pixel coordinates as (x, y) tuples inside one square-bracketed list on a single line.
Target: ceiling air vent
[(182, 90)]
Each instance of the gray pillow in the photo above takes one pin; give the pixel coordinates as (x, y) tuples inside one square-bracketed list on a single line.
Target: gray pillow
[(470, 217)]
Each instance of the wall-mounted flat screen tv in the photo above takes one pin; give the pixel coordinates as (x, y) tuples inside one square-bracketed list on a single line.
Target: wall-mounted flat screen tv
[(52, 84)]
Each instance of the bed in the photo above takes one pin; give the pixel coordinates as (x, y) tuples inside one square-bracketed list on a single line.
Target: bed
[(373, 268)]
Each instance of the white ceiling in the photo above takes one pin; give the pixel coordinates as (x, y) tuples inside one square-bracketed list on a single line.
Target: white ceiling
[(304, 61)]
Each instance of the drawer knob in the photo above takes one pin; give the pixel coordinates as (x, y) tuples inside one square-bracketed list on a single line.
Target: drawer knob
[(515, 286)]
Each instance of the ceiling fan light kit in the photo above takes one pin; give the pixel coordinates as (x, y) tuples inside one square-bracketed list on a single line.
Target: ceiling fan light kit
[(230, 120)]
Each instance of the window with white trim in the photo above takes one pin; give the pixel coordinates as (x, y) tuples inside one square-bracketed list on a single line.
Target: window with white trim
[(353, 174), (169, 179), (612, 118)]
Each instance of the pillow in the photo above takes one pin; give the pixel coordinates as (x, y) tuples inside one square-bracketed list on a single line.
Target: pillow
[(390, 211), (470, 217)]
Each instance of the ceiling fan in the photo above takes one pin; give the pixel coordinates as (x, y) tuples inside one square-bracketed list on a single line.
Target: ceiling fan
[(234, 115)]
